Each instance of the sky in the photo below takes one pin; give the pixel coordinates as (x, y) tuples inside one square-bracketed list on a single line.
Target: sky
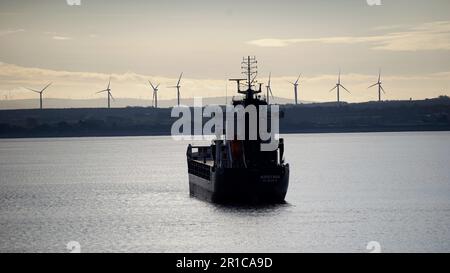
[(80, 47)]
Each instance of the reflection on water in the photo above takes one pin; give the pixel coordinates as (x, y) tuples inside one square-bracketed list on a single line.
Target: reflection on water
[(248, 210), (131, 195)]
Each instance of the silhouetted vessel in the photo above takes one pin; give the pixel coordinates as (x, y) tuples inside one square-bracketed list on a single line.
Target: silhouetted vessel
[(238, 171)]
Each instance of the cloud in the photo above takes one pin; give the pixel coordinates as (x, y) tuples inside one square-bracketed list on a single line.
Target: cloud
[(58, 37), (73, 84), (83, 85), (391, 27), (10, 31), (32, 73), (428, 36), (61, 38)]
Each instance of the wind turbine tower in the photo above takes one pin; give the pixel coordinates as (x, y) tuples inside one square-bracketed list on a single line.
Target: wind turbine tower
[(155, 94), (269, 89), (338, 86), (108, 90), (178, 86), (380, 87), (295, 84), (40, 92)]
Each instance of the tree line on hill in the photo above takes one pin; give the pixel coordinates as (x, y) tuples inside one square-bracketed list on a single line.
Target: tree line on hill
[(424, 115)]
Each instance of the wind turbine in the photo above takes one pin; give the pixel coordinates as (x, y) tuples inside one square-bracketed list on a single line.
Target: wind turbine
[(108, 90), (40, 92), (380, 88), (269, 89), (178, 86), (295, 84), (337, 87), (155, 94)]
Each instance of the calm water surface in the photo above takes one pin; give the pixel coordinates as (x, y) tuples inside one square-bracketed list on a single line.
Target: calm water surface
[(131, 195)]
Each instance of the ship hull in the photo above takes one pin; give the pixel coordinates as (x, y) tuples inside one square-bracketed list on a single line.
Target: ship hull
[(234, 185)]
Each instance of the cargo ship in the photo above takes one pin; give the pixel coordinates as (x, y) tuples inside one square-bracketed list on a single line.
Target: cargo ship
[(238, 171)]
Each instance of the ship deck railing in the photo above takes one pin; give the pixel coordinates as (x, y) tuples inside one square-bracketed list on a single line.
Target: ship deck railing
[(200, 169), (200, 153)]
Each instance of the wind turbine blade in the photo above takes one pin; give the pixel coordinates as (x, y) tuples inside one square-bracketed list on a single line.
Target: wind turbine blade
[(157, 86), (101, 91), (345, 89), (333, 88), (298, 78), (270, 75), (339, 77), (172, 86), (109, 84), (372, 85), (379, 75), (33, 90), (179, 80), (270, 91), (291, 82), (46, 87), (112, 97), (151, 85), (382, 89)]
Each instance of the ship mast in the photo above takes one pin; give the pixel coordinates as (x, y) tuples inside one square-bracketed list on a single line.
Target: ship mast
[(249, 66), (249, 69)]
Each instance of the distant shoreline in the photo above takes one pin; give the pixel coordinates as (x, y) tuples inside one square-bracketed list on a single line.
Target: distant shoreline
[(391, 116), (168, 135)]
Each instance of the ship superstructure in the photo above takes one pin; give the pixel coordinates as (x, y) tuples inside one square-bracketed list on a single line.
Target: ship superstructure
[(237, 170)]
